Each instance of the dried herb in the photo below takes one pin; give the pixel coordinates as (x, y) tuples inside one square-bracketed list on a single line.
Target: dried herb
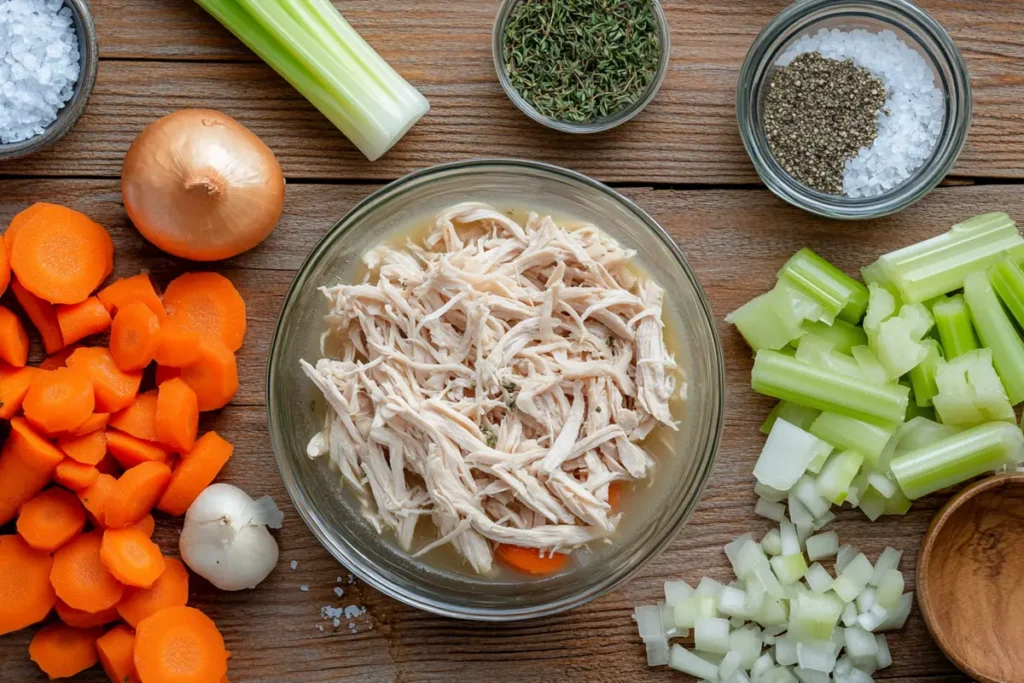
[(581, 60), (819, 113)]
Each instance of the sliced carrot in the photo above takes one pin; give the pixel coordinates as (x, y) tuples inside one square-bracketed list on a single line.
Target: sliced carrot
[(51, 519), (530, 560), (135, 494), (26, 595), (170, 590), (146, 525), (95, 423), (113, 388), (138, 419), (42, 315), (195, 472), (14, 384), (59, 359), (134, 337), (20, 219), (81, 320), (109, 465), (130, 451), (166, 372), (79, 619), (62, 651), (26, 464), (75, 476), (88, 449), (209, 304), (615, 491), (179, 645), (79, 577), (137, 288), (213, 376), (131, 557), (94, 498), (176, 421), (178, 347), (13, 339), (116, 649), (61, 255), (59, 400)]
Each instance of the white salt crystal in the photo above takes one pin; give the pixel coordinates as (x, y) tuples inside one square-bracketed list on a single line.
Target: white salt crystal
[(294, 565), (39, 64), (339, 591), (304, 588)]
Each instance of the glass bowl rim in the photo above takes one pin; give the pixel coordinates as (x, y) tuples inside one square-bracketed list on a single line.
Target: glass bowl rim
[(912, 19), (367, 571)]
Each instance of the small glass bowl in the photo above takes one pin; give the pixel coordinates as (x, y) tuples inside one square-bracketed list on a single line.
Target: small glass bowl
[(913, 26), (598, 125)]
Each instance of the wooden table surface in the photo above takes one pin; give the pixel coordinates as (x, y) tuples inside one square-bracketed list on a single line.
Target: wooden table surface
[(681, 160)]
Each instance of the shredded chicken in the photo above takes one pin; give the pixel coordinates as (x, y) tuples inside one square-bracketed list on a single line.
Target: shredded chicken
[(495, 377)]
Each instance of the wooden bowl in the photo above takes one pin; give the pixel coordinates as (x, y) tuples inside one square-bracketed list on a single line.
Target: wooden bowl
[(970, 579)]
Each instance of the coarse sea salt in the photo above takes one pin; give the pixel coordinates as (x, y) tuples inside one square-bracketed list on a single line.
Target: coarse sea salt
[(910, 123), (39, 65)]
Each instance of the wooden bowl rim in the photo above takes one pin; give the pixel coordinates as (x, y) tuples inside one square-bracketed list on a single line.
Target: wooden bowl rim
[(924, 559)]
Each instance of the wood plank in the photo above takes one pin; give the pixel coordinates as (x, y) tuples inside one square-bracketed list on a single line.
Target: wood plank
[(688, 135)]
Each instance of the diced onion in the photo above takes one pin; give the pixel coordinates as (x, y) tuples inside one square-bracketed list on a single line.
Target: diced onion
[(798, 512), (711, 634), (657, 652), (789, 568), (844, 555), (730, 664), (884, 658), (889, 559), (689, 610), (732, 602), (733, 548), (754, 597), (873, 618), (772, 542), (807, 492), (790, 541), (709, 588), (676, 591), (810, 676), (866, 599), (824, 520), (818, 578), (768, 493), (890, 588), (853, 578), (763, 665), (861, 647), (648, 622), (747, 643), (683, 660), (898, 617), (823, 545), (769, 510), (785, 651), (817, 656), (813, 617), (786, 455)]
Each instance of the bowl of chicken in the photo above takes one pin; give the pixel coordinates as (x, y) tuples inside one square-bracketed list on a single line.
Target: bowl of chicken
[(495, 390)]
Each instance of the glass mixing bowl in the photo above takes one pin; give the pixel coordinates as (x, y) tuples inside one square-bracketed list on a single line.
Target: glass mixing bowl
[(295, 407)]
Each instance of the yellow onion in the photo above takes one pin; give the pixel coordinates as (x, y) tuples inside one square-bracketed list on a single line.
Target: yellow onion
[(200, 185)]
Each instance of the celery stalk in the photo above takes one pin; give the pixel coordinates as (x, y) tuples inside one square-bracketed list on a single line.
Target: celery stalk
[(312, 47), (780, 376), (798, 416), (873, 275), (922, 377), (839, 294), (774, 319), (898, 341), (1007, 279), (958, 458), (970, 392), (851, 434), (940, 265), (956, 331), (836, 476), (997, 333), (842, 334)]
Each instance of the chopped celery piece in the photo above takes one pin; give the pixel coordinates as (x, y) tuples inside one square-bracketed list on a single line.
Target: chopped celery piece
[(881, 307), (818, 578), (870, 369), (970, 392), (842, 334), (774, 319), (853, 578), (958, 458), (837, 293), (813, 617), (1007, 279), (956, 331), (786, 378), (786, 454), (885, 486), (898, 504), (792, 413), (922, 376), (852, 434), (820, 352), (822, 545), (772, 542), (806, 491), (819, 461), (789, 568), (836, 476), (939, 265), (997, 333), (687, 662), (898, 343), (889, 559), (711, 634), (921, 432), (872, 275), (890, 588), (872, 504), (914, 410), (689, 610)]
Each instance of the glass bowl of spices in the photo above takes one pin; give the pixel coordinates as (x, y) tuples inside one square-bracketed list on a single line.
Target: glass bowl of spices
[(853, 109), (581, 66)]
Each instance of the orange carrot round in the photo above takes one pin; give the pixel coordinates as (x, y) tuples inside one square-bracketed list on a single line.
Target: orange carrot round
[(113, 388), (26, 595), (59, 400), (43, 316), (137, 288), (195, 472), (146, 525), (134, 336), (75, 476), (176, 420), (88, 449), (169, 590), (81, 320), (615, 492), (213, 375), (209, 304), (116, 649), (530, 560), (79, 619), (59, 359), (178, 347), (62, 651), (138, 419), (26, 464), (61, 256), (135, 494), (14, 384), (94, 498), (95, 423), (80, 578), (180, 645), (51, 519), (20, 219), (130, 451), (13, 339), (131, 557)]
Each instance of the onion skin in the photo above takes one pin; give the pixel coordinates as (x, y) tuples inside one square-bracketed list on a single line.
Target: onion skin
[(200, 185)]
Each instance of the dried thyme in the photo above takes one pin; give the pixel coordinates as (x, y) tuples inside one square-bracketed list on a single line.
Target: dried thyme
[(818, 114), (581, 60)]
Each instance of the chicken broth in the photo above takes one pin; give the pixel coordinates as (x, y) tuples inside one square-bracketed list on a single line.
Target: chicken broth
[(507, 459)]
